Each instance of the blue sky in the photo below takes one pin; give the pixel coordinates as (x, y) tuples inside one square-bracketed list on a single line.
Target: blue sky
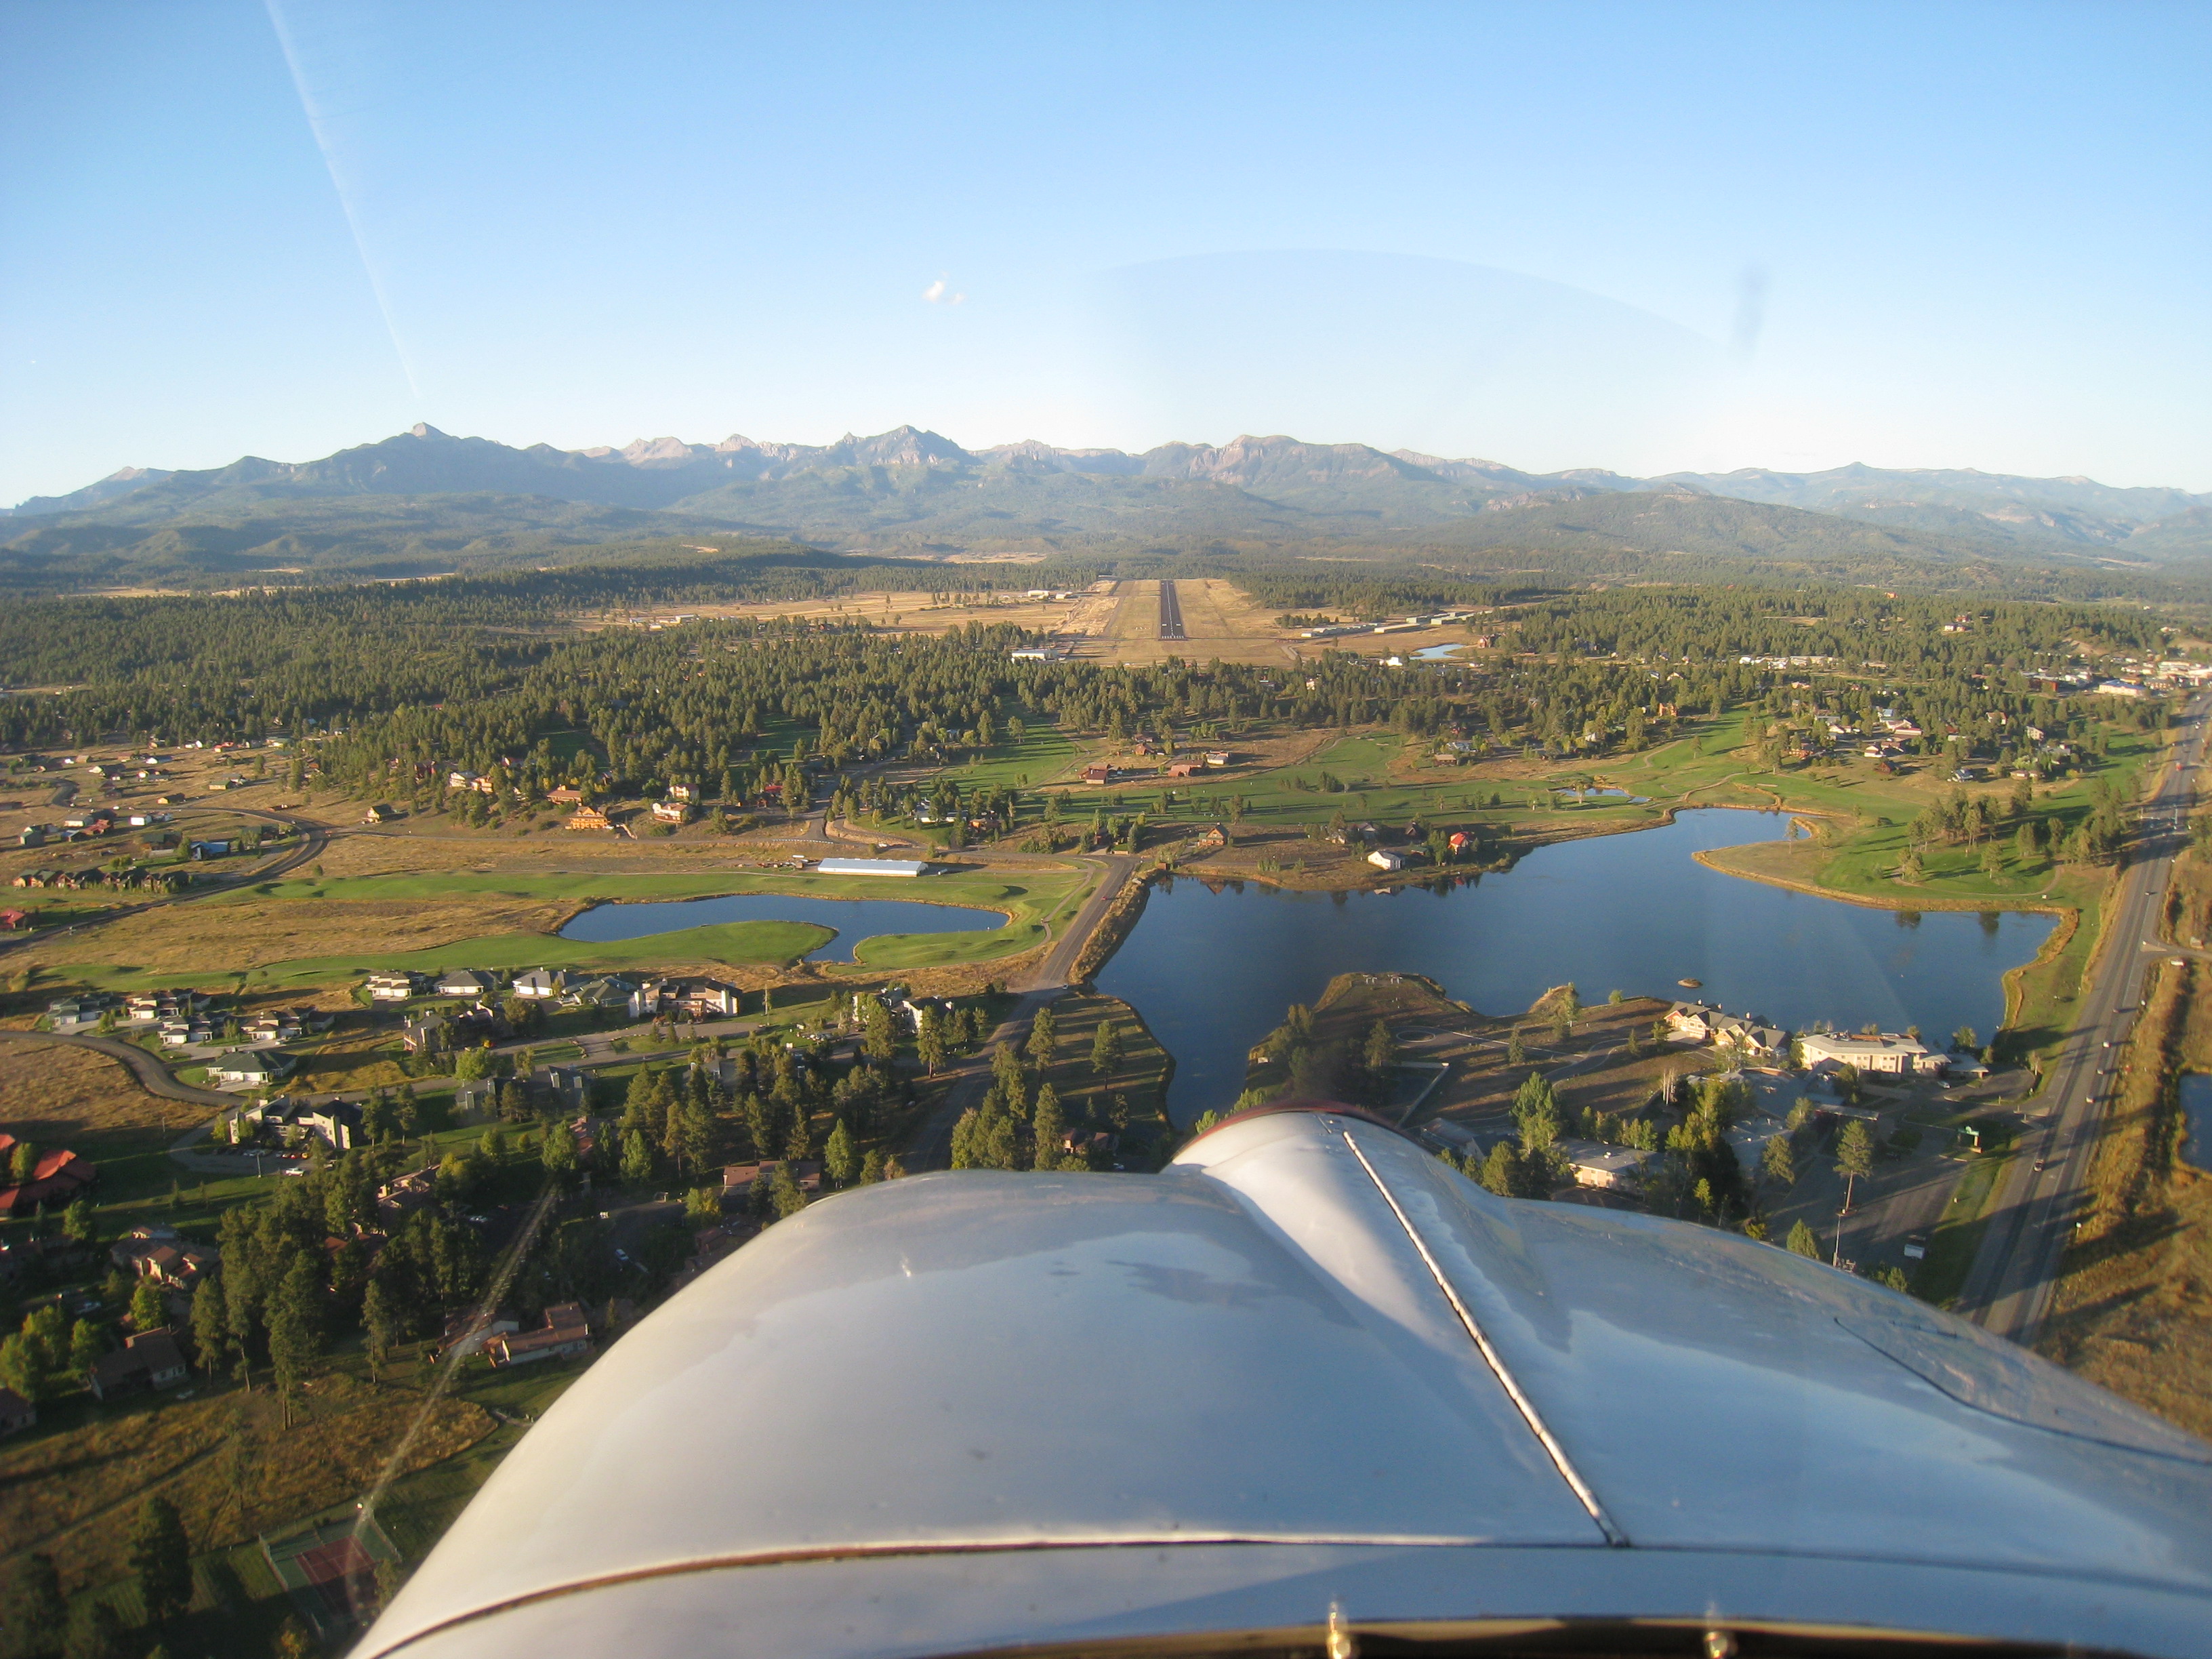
[(1639, 237)]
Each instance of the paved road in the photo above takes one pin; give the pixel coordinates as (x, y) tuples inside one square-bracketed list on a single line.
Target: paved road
[(2034, 1211), (1171, 613)]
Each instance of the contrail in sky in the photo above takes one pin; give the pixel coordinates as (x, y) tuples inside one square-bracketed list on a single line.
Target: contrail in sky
[(309, 108)]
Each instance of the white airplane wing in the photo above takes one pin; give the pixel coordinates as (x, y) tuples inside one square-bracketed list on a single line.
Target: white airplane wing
[(1307, 1386)]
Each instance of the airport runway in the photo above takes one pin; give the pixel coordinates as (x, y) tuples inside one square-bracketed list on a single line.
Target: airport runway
[(1171, 613)]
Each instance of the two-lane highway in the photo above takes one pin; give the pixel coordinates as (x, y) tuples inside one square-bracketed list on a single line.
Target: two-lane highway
[(2041, 1194)]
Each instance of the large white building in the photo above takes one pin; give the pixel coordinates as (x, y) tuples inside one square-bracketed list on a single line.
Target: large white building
[(1899, 1056)]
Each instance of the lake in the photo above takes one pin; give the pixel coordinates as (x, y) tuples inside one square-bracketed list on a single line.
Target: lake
[(1211, 972), (855, 919), (2196, 1122)]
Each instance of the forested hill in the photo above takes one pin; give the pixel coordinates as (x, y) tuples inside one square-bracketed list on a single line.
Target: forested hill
[(424, 502)]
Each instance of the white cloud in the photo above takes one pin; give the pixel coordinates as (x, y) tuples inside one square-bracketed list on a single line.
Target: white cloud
[(939, 293)]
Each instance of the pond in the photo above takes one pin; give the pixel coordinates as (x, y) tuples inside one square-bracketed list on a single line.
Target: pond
[(1211, 972), (855, 919), (2196, 1122)]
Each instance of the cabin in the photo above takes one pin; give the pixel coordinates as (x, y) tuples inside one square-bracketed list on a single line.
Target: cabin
[(1098, 774)]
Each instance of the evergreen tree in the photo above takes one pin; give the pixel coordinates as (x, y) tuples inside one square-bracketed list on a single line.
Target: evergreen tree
[(1501, 1170), (558, 1153), (210, 1324), (296, 1328), (162, 1559), (1801, 1242), (239, 1295), (839, 1155), (379, 1324), (637, 1159), (1043, 1033), (85, 1347), (929, 1041), (879, 1042), (1778, 1163), (1853, 1156), (1049, 1130), (1516, 1055), (1106, 1049)]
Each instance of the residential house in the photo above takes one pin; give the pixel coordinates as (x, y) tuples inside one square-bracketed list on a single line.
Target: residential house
[(565, 795), (1184, 768), (379, 813), (1882, 1054), (1218, 757), (1753, 1035), (566, 1333), (403, 1196), (671, 811), (611, 992), (394, 988), (465, 1333), (462, 982), (693, 999), (482, 785), (539, 984), (289, 1120), (58, 1176), (14, 920), (1693, 1020), (161, 1255), (1383, 857), (150, 1359), (568, 1087), (252, 1068), (1098, 774), (16, 1414), (738, 1179), (587, 818), (683, 792)]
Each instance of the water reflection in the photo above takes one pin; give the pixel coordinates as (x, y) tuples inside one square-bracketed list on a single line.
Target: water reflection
[(1212, 966)]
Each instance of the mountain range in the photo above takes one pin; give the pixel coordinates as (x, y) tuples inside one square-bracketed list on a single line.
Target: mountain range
[(423, 499)]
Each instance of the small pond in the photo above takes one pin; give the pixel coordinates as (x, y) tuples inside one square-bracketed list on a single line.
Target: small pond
[(2196, 1120), (855, 919), (1212, 971)]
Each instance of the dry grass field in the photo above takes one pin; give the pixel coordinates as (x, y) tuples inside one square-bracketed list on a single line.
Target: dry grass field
[(55, 1094), (174, 940), (73, 1488)]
